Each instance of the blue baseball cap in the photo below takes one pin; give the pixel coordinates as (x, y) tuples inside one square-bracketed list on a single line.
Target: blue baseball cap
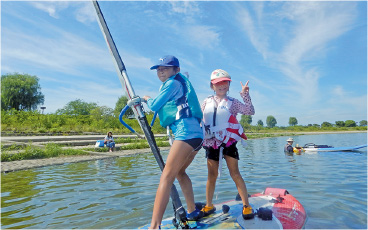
[(168, 60)]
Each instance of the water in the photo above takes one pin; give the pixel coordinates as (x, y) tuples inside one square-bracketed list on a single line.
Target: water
[(119, 193)]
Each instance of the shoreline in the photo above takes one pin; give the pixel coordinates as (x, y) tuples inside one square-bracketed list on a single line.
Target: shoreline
[(12, 166)]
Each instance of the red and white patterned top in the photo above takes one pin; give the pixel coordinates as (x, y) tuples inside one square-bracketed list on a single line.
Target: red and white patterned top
[(236, 107)]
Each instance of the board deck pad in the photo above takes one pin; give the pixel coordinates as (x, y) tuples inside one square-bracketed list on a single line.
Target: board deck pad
[(287, 213)]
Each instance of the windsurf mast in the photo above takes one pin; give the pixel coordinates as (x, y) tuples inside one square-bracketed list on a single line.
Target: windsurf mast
[(136, 103)]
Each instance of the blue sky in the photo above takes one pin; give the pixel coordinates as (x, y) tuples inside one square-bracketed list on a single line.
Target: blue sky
[(303, 59)]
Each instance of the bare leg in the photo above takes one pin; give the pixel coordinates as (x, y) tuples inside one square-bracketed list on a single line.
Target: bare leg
[(232, 164), (186, 183), (175, 163), (211, 180)]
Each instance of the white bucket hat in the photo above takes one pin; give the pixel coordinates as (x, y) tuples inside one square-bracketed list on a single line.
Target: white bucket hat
[(290, 139)]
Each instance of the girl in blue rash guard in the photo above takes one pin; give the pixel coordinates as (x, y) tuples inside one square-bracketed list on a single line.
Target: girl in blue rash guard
[(178, 107)]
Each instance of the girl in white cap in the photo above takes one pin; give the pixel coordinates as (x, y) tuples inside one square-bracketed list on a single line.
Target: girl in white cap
[(223, 132), (178, 108)]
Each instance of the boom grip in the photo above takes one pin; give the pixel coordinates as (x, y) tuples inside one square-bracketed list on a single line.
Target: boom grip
[(121, 118)]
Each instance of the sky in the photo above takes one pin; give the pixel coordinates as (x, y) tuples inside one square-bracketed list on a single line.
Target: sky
[(303, 59)]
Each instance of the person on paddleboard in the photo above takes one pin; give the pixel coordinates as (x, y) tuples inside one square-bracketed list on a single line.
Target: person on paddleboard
[(178, 108), (223, 132)]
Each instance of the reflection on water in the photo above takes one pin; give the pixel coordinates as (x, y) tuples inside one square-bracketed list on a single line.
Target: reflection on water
[(119, 193)]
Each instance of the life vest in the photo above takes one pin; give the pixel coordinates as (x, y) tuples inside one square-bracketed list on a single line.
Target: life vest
[(220, 123), (186, 106)]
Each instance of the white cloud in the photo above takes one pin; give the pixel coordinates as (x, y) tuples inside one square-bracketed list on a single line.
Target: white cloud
[(250, 27), (134, 60), (196, 33), (51, 8), (338, 91), (85, 13), (61, 51), (309, 26), (202, 36), (187, 8), (342, 98), (315, 24), (65, 52)]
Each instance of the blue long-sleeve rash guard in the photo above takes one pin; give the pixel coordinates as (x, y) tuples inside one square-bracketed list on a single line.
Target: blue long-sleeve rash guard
[(185, 128)]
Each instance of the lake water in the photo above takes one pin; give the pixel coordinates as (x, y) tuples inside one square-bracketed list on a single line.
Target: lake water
[(119, 193)]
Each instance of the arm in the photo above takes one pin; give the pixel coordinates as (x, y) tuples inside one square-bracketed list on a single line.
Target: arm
[(247, 108), (166, 93)]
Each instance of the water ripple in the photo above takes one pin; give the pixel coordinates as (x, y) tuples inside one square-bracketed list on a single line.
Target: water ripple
[(119, 193)]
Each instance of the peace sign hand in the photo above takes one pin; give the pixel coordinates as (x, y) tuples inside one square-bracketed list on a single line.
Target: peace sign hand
[(245, 88)]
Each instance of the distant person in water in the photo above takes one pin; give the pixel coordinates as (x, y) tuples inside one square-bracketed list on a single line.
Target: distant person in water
[(289, 146)]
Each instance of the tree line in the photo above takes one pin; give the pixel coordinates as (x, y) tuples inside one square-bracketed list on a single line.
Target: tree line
[(271, 122), (21, 95)]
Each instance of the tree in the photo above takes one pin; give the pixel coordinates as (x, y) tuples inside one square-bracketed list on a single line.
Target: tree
[(326, 124), (21, 92), (271, 121), (293, 121), (363, 123), (246, 119), (350, 123), (77, 107), (340, 124), (260, 123), (102, 112), (120, 104)]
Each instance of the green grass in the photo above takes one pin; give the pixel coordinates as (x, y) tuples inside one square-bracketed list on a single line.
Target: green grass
[(13, 147), (124, 140), (54, 150), (33, 123), (266, 135), (32, 152)]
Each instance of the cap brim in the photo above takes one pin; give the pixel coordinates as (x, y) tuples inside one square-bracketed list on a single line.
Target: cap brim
[(215, 81), (156, 66)]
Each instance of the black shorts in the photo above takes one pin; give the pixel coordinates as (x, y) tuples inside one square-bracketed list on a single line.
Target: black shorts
[(214, 154), (196, 143)]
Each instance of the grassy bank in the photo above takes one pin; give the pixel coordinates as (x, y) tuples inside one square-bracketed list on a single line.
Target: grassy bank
[(29, 151), (32, 152), (33, 123)]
